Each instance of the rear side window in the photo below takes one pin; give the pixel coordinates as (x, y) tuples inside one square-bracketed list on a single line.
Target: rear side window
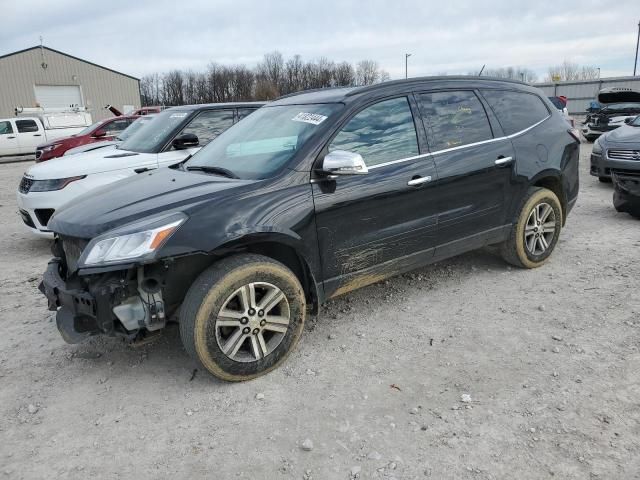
[(5, 128), (25, 126), (516, 111), (381, 133), (453, 119), (209, 124)]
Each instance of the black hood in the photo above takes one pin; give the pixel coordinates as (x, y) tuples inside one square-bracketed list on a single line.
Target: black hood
[(162, 191)]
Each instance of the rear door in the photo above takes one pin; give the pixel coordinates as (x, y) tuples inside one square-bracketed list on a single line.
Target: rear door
[(30, 135), (368, 223), (474, 164), (206, 125), (9, 145)]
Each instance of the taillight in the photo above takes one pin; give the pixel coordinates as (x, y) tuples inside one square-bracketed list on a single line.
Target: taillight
[(575, 133)]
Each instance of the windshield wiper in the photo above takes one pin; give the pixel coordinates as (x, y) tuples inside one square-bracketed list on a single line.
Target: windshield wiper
[(213, 170)]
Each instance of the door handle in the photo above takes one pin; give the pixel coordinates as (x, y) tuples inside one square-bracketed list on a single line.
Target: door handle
[(503, 161), (37, 135), (419, 181), (11, 137)]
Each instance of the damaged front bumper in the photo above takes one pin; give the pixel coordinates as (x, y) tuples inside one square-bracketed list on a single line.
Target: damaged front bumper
[(626, 193), (109, 303)]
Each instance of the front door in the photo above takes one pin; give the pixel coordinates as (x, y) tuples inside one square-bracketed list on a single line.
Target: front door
[(373, 225), (475, 169)]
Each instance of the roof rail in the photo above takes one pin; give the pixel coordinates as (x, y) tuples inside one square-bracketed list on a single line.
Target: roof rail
[(311, 90), (423, 79)]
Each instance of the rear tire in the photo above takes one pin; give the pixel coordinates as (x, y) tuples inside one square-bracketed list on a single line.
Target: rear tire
[(242, 317), (535, 234)]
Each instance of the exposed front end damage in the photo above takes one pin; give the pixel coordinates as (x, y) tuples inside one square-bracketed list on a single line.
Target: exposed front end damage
[(127, 302)]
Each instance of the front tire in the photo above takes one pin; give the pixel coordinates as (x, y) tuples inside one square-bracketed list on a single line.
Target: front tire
[(243, 316), (535, 234), (604, 179)]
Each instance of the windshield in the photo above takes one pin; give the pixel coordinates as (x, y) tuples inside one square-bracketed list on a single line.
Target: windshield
[(152, 137), (261, 143), (134, 127), (622, 106), (636, 122), (90, 128)]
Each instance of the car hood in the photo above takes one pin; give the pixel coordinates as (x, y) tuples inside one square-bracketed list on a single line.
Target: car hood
[(87, 163), (607, 96), (138, 197), (624, 134), (88, 147)]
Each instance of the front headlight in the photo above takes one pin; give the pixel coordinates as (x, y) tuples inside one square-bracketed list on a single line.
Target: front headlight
[(53, 184), (137, 241), (49, 148), (597, 148)]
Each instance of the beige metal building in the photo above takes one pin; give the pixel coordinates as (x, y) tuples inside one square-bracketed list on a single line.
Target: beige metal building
[(42, 76)]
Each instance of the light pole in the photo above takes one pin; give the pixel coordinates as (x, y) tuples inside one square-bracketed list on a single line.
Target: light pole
[(406, 65), (635, 63), (598, 72)]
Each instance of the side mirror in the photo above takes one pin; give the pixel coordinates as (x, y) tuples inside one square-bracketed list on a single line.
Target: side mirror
[(99, 134), (629, 120), (186, 140), (342, 162)]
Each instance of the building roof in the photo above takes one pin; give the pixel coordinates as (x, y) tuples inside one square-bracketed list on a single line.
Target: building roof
[(70, 56)]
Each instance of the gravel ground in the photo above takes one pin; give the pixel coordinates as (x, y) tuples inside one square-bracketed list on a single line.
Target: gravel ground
[(467, 369)]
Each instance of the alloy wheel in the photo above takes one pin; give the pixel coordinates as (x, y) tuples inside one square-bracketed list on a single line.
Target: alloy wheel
[(252, 322), (540, 229)]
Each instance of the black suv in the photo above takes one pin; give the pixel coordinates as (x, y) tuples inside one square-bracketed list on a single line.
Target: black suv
[(312, 196)]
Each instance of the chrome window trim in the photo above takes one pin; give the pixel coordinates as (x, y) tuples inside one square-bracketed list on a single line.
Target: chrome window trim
[(452, 149)]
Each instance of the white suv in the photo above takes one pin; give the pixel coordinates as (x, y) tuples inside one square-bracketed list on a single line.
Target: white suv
[(169, 138)]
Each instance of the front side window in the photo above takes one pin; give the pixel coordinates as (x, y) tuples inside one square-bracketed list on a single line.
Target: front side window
[(453, 119), (243, 112), (516, 111), (116, 126), (155, 135), (26, 126), (5, 128), (209, 124), (380, 133), (265, 141)]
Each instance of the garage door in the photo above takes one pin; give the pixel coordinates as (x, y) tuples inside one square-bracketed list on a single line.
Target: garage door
[(58, 96)]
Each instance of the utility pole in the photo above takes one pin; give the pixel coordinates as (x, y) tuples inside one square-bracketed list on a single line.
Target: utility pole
[(635, 63), (406, 64)]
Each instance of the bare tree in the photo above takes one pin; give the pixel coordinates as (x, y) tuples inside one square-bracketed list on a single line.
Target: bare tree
[(572, 71), (344, 75), (514, 73), (367, 72)]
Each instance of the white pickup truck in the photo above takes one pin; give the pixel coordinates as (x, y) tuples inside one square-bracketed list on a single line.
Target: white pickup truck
[(20, 135)]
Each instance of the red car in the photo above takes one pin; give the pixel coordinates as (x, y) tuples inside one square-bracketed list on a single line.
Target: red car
[(98, 132)]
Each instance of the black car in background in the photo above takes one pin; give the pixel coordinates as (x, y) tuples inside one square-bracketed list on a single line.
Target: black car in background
[(616, 150), (310, 197)]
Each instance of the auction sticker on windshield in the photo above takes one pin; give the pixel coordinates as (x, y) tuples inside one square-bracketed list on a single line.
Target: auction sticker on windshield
[(312, 118), (178, 115)]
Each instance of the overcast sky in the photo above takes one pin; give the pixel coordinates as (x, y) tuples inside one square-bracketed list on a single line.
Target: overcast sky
[(452, 36)]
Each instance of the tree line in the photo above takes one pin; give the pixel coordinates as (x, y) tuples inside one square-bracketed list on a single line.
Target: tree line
[(275, 76), (271, 78)]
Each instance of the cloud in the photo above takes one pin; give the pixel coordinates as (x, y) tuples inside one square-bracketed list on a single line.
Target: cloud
[(457, 36)]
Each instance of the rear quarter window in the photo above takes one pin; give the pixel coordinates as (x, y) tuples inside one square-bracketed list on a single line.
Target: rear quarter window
[(516, 111)]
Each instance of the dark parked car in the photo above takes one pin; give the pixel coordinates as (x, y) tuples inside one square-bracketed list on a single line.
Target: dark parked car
[(310, 197), (617, 106), (616, 150)]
